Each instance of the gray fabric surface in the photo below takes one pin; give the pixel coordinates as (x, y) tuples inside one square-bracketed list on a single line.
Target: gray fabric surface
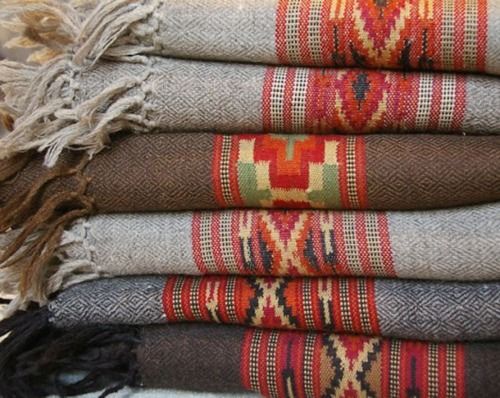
[(451, 244), (434, 311)]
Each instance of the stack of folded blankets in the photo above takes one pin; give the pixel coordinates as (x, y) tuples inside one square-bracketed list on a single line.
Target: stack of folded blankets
[(299, 198)]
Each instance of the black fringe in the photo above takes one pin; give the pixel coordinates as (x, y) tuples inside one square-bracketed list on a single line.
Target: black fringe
[(36, 357)]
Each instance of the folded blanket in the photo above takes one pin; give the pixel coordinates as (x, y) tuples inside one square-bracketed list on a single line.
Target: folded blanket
[(453, 244), (433, 311), (405, 34), (62, 105), (36, 355)]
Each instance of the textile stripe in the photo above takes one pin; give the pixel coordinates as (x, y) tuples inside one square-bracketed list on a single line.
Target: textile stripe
[(288, 364), (308, 361), (277, 99), (352, 188), (448, 99), (254, 360), (424, 101), (224, 170), (206, 243), (299, 100), (314, 243), (225, 234), (471, 31), (314, 34), (451, 387), (337, 304), (447, 34), (394, 361), (433, 371), (292, 31)]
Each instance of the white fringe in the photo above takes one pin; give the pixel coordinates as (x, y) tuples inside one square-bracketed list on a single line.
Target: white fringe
[(43, 100), (60, 275)]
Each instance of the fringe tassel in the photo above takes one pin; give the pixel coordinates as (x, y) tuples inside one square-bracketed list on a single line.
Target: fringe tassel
[(38, 359), (26, 258), (36, 110)]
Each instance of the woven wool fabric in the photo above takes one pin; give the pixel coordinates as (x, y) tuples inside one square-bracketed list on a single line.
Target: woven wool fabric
[(452, 244), (163, 172), (434, 311), (81, 107), (274, 363), (404, 34)]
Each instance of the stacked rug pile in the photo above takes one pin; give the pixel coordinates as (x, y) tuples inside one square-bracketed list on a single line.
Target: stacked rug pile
[(299, 198)]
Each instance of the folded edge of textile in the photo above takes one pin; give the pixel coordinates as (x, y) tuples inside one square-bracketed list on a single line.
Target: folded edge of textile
[(406, 35), (422, 310), (62, 106), (36, 355), (452, 244)]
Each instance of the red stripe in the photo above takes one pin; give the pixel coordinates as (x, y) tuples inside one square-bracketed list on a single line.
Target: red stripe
[(460, 370), (342, 162), (338, 231), (385, 366), (362, 243), (437, 89), (196, 225), (235, 240), (326, 33), (287, 98), (216, 178), (280, 33), (216, 245), (187, 308), (264, 387), (305, 10), (361, 185), (166, 300), (354, 311), (245, 359), (372, 306), (233, 172), (385, 244), (442, 385), (338, 325), (460, 102)]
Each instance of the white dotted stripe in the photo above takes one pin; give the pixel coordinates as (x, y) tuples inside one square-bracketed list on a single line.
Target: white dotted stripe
[(351, 243), (352, 191), (224, 170), (309, 365), (432, 365), (271, 373), (231, 299), (277, 98), (448, 34), (451, 358), (424, 101), (448, 98), (374, 244), (254, 360), (194, 299), (395, 353), (206, 243), (226, 243), (314, 31), (292, 31), (345, 309), (470, 34), (299, 99), (364, 311)]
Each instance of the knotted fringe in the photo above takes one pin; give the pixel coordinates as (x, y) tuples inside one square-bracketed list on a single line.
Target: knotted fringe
[(33, 232), (38, 359), (40, 104)]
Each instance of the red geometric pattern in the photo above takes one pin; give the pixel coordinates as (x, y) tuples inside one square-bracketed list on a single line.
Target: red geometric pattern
[(289, 171), (290, 364), (322, 304), (361, 101), (407, 34), (292, 243)]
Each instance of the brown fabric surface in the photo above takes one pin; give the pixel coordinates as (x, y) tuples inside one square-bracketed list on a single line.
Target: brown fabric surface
[(191, 357), (406, 172), (164, 172), (483, 370)]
